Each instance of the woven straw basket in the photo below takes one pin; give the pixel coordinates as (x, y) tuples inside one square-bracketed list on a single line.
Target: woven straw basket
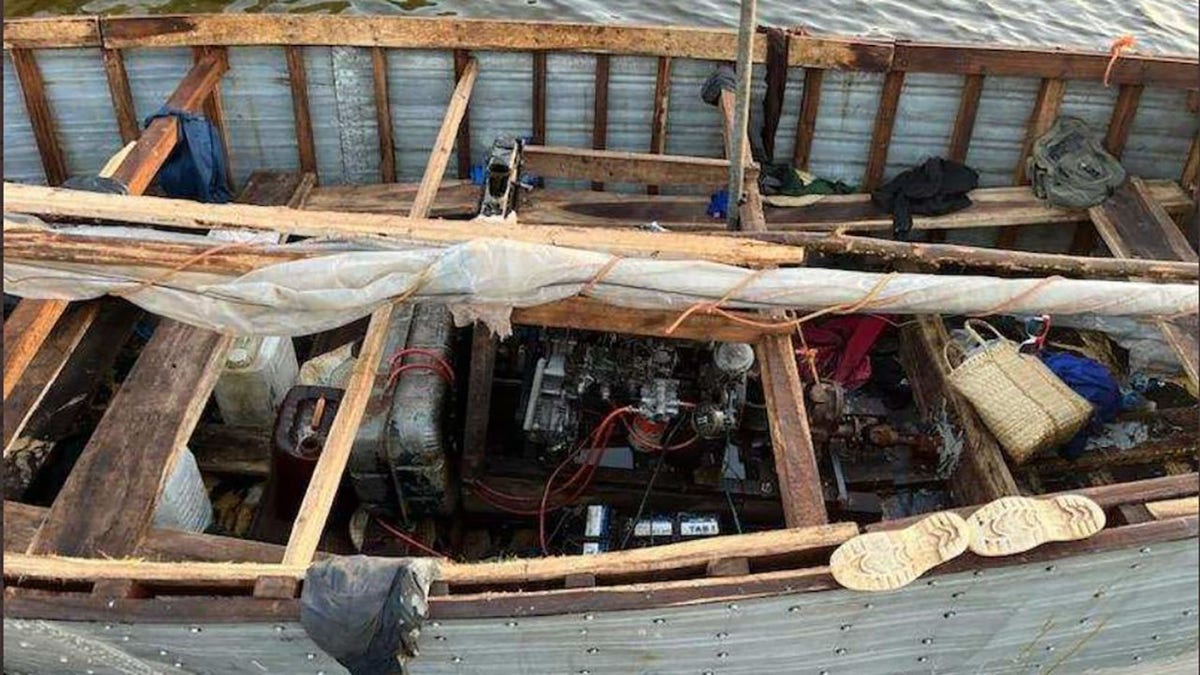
[(1022, 402)]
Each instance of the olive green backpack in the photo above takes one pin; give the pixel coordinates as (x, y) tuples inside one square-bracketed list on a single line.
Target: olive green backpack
[(1068, 166)]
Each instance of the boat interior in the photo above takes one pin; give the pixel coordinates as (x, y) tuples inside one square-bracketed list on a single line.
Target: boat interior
[(578, 454)]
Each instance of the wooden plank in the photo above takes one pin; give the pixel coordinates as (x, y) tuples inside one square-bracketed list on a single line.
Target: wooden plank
[(479, 400), (1061, 64), (964, 122), (105, 507), (430, 33), (1134, 225), (538, 104), (689, 556), (461, 60), (298, 80), (583, 313), (1045, 111), (600, 109), (142, 163), (881, 136), (658, 121), (982, 473), (21, 400), (26, 328), (383, 116), (455, 198), (214, 108), (791, 442), (1174, 508), (122, 96), (990, 207), (619, 166), (1121, 122), (74, 31), (1189, 178), (41, 117), (807, 51), (456, 113), (806, 128)]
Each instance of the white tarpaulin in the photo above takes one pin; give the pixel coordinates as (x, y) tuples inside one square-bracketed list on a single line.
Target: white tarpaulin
[(345, 280)]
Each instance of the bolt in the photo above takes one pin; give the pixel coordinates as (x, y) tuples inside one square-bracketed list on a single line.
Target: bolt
[(840, 651), (455, 659), (949, 615), (510, 624), (733, 607), (794, 608), (593, 650), (722, 655), (845, 626), (196, 629), (926, 641), (310, 656), (922, 659), (722, 635), (658, 621)]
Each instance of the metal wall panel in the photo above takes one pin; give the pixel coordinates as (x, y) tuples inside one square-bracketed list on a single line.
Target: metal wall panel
[(419, 86), (924, 119), (1004, 108), (1162, 130), (21, 161), (75, 82), (322, 107), (845, 121), (257, 99)]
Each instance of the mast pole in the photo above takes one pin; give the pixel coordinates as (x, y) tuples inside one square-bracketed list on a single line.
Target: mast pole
[(741, 119)]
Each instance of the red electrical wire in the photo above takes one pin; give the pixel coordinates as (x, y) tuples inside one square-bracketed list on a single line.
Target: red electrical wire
[(439, 365), (411, 541)]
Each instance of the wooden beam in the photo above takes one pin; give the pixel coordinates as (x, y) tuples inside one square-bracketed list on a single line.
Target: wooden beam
[(619, 166), (1189, 178), (982, 473), (63, 31), (796, 469), (836, 53), (214, 108), (583, 313), (881, 136), (22, 399), (383, 116), (1134, 225), (298, 80), (964, 122), (806, 127), (451, 124), (142, 163), (600, 109), (461, 60), (538, 104), (1174, 508), (1045, 111), (122, 96), (26, 328), (41, 117), (479, 400), (658, 122), (1121, 122), (455, 199)]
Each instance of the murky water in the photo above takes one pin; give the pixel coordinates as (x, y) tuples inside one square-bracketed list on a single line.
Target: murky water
[(1163, 26)]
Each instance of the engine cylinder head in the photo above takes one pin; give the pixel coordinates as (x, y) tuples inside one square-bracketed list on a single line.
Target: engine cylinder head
[(733, 358)]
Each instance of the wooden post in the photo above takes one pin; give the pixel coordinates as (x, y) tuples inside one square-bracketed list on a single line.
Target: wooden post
[(298, 79), (964, 123), (452, 125), (24, 332), (383, 115), (122, 97), (658, 129), (479, 400), (1121, 122), (881, 136), (214, 108), (1045, 111), (461, 58), (600, 110), (806, 127), (41, 118), (539, 98)]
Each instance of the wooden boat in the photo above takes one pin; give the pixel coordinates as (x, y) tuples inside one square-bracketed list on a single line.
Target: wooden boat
[(336, 115)]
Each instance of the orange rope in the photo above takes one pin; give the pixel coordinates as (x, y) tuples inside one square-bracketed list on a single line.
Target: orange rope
[(710, 307), (1120, 44), (1019, 296), (156, 281), (600, 274)]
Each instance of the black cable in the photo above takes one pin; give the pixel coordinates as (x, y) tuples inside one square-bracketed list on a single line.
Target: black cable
[(662, 457)]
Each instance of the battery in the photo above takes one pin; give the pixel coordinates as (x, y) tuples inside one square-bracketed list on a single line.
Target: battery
[(675, 527), (596, 529)]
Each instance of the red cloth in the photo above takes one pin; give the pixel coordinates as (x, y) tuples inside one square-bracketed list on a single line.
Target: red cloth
[(842, 346)]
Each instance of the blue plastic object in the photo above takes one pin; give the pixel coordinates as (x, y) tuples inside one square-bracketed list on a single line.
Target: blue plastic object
[(718, 204), (195, 169), (1091, 380), (478, 174)]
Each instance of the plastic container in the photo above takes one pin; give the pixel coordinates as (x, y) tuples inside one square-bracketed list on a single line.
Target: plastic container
[(331, 369), (258, 373), (184, 504)]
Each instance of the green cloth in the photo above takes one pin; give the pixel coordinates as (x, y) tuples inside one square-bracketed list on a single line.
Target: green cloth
[(782, 179)]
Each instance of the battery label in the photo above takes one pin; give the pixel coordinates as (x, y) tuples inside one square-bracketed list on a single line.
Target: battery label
[(592, 548), (653, 528), (699, 527), (597, 521)]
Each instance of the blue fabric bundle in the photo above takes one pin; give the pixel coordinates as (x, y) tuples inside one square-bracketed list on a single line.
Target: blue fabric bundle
[(195, 169), (1091, 380)]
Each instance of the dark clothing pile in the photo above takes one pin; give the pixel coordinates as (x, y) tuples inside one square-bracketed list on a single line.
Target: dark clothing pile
[(937, 187), (195, 169)]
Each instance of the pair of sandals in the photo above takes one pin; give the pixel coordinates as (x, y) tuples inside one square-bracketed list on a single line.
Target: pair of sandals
[(884, 561)]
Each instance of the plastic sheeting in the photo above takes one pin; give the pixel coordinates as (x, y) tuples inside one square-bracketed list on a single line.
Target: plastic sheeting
[(345, 280)]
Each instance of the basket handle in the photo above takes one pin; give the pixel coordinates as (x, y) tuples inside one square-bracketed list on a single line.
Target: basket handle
[(962, 352), (969, 325)]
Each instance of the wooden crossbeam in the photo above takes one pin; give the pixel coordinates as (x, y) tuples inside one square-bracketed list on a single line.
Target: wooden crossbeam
[(615, 165), (806, 127), (383, 115), (122, 96), (658, 120), (41, 117), (964, 122), (24, 332), (142, 163), (462, 58), (600, 109), (214, 107), (298, 80), (538, 102), (881, 136)]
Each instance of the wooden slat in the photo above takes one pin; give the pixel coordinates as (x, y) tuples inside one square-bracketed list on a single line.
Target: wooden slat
[(298, 79), (619, 166), (142, 163), (583, 313), (881, 136), (1121, 122), (658, 122), (600, 110), (455, 198), (122, 97), (538, 104), (806, 128), (1134, 225), (452, 123), (73, 31), (799, 479), (21, 400), (1189, 178), (1045, 111), (964, 122), (41, 117), (479, 398), (461, 60), (864, 54), (383, 116), (1174, 508), (214, 108), (26, 328)]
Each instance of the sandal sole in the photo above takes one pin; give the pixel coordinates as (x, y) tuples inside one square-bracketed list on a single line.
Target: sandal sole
[(1015, 524), (885, 561)]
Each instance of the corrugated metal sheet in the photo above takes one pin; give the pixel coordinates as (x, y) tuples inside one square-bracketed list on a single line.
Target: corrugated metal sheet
[(419, 86), (21, 161), (89, 134), (258, 111), (1119, 611), (845, 121)]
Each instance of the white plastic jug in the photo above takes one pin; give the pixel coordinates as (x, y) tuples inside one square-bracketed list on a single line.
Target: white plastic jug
[(184, 504), (258, 373)]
